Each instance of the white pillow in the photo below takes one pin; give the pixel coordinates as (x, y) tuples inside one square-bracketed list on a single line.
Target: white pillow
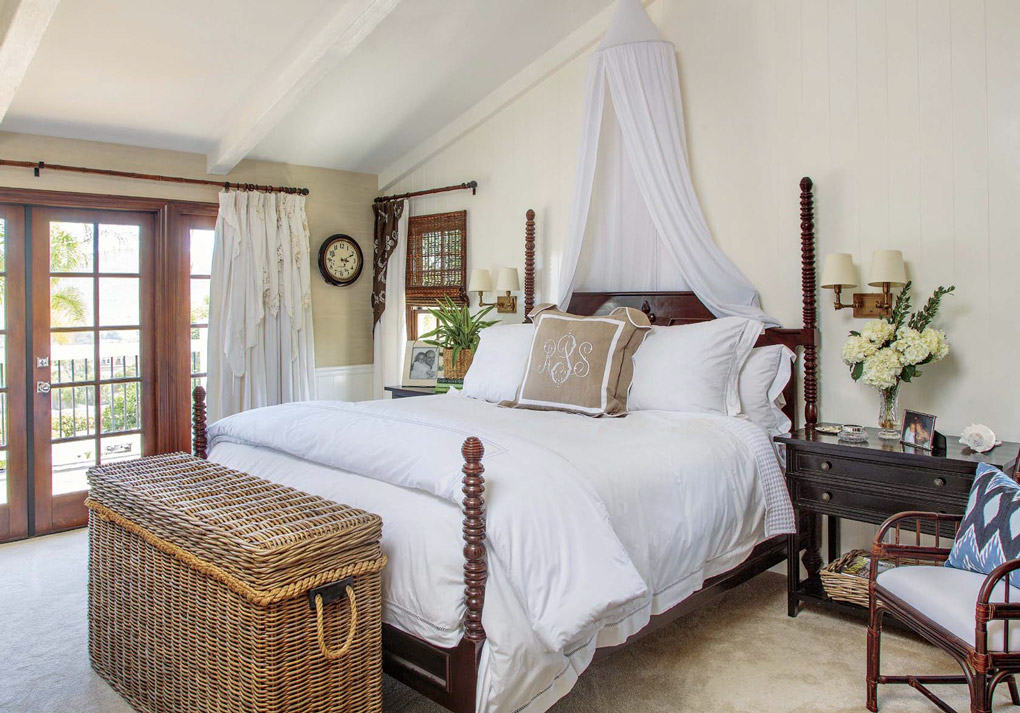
[(500, 361), (693, 367), (765, 374)]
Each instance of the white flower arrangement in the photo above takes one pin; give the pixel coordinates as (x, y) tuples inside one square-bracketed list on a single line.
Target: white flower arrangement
[(888, 351)]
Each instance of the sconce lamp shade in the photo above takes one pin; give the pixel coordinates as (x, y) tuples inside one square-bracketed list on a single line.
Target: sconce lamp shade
[(839, 271), (508, 280), (887, 267), (480, 281)]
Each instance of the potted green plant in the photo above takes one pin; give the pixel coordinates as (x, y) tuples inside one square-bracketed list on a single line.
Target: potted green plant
[(457, 334)]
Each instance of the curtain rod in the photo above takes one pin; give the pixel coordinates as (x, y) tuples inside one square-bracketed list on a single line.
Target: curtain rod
[(473, 185), (225, 185)]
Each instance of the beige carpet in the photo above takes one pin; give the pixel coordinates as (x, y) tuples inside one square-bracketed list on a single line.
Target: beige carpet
[(740, 654)]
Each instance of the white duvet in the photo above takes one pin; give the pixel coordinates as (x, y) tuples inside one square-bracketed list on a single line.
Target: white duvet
[(593, 525)]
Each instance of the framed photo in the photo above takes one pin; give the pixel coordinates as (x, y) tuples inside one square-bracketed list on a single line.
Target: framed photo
[(421, 364), (918, 430)]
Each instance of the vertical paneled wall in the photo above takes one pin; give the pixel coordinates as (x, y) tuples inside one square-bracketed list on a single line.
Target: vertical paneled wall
[(905, 112)]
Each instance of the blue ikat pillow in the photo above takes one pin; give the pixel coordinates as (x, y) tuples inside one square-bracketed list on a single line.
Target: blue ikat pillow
[(990, 532)]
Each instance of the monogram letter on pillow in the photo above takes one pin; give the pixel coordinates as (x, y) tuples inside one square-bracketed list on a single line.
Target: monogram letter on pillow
[(581, 364)]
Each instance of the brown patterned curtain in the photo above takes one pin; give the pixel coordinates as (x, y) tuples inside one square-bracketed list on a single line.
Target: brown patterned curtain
[(387, 218)]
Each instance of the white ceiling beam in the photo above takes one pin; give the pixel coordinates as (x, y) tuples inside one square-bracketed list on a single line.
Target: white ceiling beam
[(313, 57), (577, 42), (22, 24)]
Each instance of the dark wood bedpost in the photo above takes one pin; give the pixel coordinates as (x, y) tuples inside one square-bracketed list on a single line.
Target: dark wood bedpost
[(529, 264), (475, 565), (807, 278), (198, 421)]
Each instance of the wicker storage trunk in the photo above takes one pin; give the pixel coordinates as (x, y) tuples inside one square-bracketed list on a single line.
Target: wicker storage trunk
[(209, 591)]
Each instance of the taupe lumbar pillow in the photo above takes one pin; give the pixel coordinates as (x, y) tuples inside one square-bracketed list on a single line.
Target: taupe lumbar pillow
[(581, 364)]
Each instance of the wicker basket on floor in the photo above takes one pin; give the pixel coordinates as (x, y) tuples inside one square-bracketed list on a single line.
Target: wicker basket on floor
[(212, 590), (845, 587)]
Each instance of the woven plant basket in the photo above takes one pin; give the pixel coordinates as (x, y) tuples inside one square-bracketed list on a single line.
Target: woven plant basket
[(212, 590), (846, 587), (457, 369)]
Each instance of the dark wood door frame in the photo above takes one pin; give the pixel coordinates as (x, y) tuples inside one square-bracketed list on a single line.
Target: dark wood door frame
[(168, 412), (14, 514)]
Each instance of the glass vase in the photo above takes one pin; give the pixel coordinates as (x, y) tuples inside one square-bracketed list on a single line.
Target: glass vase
[(889, 414)]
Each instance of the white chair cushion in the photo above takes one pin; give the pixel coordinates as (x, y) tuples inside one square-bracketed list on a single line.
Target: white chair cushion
[(948, 597)]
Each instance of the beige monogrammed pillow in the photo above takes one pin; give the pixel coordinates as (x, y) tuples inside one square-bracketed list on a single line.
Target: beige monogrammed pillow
[(581, 364)]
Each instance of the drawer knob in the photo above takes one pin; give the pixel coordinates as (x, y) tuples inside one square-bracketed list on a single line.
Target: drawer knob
[(826, 497), (826, 465), (940, 482)]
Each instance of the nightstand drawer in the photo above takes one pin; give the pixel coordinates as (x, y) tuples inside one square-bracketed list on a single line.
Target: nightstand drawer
[(863, 505), (938, 481)]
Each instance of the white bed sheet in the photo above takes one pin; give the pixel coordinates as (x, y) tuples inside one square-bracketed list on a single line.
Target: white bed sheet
[(685, 509)]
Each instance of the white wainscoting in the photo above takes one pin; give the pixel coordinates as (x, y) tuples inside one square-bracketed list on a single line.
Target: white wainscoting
[(344, 383)]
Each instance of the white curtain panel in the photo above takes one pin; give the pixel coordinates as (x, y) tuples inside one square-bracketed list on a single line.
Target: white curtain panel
[(635, 223), (260, 308), (390, 336)]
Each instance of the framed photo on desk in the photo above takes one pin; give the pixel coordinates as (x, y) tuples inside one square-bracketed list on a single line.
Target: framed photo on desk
[(918, 430)]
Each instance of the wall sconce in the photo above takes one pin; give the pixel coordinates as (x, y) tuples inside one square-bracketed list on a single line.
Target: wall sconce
[(887, 271), (507, 280)]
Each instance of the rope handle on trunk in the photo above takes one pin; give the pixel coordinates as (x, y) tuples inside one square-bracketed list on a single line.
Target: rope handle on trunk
[(334, 654)]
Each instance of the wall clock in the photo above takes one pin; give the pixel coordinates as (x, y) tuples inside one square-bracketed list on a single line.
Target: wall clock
[(340, 260)]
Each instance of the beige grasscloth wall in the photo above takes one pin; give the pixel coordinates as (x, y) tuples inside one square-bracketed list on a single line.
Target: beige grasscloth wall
[(340, 202), (905, 112)]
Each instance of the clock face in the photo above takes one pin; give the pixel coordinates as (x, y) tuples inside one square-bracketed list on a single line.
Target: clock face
[(340, 260)]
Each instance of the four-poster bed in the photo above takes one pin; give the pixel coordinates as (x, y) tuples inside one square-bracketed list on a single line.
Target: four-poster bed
[(450, 675)]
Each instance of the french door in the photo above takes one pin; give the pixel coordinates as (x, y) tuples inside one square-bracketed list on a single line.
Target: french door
[(91, 358)]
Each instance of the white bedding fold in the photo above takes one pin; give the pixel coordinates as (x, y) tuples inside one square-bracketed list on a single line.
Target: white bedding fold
[(560, 551)]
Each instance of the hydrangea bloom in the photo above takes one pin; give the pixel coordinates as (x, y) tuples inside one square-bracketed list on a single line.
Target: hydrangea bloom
[(882, 369), (935, 340), (878, 331), (913, 347), (857, 349)]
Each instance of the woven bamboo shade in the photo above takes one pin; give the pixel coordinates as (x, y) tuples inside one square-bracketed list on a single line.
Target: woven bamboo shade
[(437, 258)]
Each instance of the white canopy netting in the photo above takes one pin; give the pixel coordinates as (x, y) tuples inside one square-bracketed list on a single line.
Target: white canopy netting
[(635, 223)]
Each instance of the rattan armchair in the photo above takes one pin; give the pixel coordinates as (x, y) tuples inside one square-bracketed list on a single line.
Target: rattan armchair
[(988, 657)]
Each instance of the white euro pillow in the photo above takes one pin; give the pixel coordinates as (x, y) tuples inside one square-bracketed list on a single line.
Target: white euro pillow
[(763, 377), (500, 361), (693, 367)]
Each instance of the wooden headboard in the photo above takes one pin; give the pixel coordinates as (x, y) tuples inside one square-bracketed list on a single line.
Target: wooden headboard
[(676, 308)]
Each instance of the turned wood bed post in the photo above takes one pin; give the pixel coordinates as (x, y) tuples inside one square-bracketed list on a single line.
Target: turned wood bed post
[(198, 421), (807, 278), (529, 264), (475, 564)]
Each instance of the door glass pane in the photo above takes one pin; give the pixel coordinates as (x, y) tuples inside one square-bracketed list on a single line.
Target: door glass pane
[(3, 477), (117, 448), (121, 407), (72, 357), (119, 354), (199, 337), (3, 302), (71, 462), (73, 412), (71, 301), (118, 301), (118, 248), (71, 247), (200, 301), (3, 361), (201, 252)]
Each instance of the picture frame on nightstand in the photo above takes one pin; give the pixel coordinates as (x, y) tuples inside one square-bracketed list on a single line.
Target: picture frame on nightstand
[(918, 430)]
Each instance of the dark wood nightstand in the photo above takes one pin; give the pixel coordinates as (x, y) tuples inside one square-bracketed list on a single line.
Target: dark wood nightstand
[(868, 482), (406, 392)]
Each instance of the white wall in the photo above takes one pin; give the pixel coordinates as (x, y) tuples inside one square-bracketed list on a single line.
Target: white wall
[(905, 112)]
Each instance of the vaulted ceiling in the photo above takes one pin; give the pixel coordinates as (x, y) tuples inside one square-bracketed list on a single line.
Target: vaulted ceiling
[(346, 84)]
